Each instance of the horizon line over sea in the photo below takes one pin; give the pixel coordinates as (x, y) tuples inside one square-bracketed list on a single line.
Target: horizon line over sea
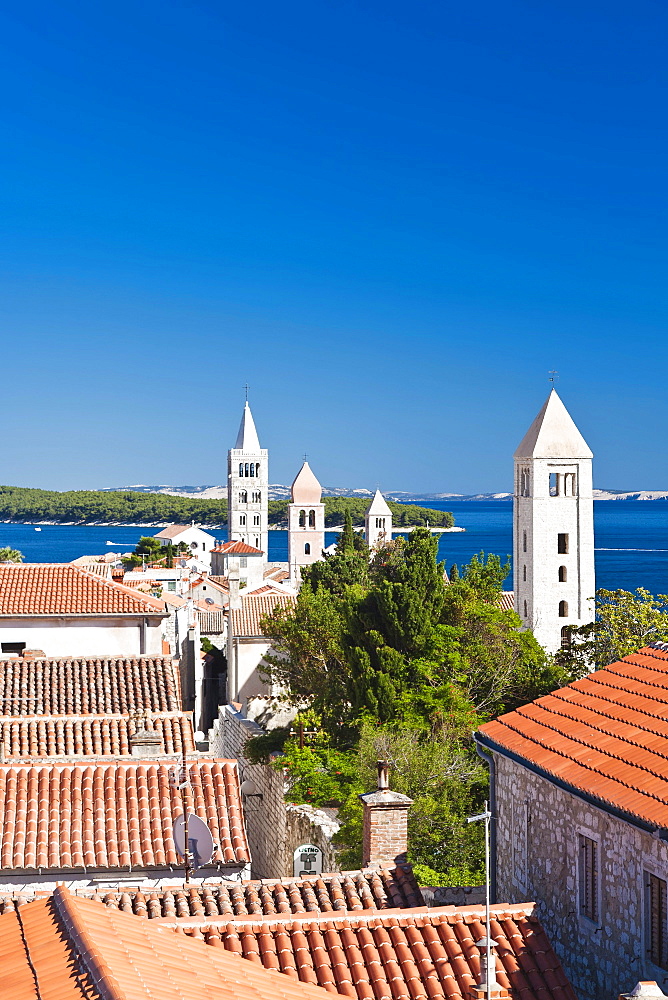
[(631, 540)]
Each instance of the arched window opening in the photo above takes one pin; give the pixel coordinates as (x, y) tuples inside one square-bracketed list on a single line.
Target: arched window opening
[(257, 542), (563, 609), (257, 497), (243, 497), (555, 484), (380, 523), (241, 468), (256, 520), (524, 541), (566, 639), (525, 609), (252, 469), (524, 574), (563, 574), (311, 519), (302, 518), (257, 469), (246, 472), (242, 520), (524, 482), (307, 549)]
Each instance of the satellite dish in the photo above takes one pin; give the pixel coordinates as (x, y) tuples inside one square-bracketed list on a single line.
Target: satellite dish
[(209, 600), (200, 840)]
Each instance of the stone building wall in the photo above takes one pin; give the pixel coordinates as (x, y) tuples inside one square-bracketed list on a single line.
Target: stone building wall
[(274, 829), (538, 826)]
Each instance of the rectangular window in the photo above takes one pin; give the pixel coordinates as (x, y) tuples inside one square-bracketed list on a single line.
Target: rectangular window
[(171, 586), (655, 920), (243, 564), (588, 877), (562, 544), (554, 484)]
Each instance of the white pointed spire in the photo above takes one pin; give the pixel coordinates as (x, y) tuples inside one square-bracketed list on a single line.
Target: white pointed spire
[(247, 439), (553, 434), (378, 506)]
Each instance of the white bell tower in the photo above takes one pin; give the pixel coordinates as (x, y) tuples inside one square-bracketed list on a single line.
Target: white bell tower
[(553, 527), (248, 488), (306, 523), (377, 522)]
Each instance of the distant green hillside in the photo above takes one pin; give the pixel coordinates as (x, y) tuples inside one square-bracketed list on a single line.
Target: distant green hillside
[(90, 506)]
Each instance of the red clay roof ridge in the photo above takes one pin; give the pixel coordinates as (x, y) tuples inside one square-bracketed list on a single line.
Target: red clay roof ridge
[(397, 916), (97, 968)]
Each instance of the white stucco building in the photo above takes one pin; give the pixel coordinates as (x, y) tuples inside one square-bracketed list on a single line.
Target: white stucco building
[(249, 562), (553, 527), (378, 522), (248, 487), (306, 523), (65, 611), (199, 542)]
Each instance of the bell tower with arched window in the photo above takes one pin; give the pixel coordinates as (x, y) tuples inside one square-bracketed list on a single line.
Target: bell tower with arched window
[(553, 527), (247, 487), (377, 522), (306, 523)]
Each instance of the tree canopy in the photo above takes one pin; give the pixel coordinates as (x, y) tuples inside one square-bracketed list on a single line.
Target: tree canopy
[(381, 650)]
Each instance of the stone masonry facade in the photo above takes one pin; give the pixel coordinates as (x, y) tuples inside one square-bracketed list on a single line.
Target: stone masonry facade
[(274, 829), (540, 832)]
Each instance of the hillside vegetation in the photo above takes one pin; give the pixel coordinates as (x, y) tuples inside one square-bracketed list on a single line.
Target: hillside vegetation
[(18, 503)]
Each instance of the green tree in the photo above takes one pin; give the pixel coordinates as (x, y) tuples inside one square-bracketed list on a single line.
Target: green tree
[(169, 555), (10, 555), (624, 623), (148, 545)]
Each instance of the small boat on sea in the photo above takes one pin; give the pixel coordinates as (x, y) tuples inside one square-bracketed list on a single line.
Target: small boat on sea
[(38, 529)]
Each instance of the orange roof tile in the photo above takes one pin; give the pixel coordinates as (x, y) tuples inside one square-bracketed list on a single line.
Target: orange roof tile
[(39, 589), (70, 948), (245, 621), (89, 735), (88, 686), (507, 600), (237, 549), (605, 736), (396, 954), (58, 816), (332, 893)]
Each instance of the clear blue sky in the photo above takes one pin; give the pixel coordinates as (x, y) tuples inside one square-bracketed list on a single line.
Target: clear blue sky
[(392, 219)]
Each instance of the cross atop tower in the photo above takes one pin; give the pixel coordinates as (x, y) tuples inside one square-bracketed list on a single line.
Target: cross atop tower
[(246, 388)]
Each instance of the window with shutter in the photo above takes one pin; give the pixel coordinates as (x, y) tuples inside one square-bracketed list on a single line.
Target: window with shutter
[(588, 877), (656, 901)]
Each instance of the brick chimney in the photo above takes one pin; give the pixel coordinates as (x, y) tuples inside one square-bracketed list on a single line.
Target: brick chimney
[(233, 583), (385, 823)]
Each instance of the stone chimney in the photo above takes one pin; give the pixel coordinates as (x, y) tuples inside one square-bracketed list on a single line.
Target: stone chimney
[(646, 989), (385, 823), (233, 583), (146, 743)]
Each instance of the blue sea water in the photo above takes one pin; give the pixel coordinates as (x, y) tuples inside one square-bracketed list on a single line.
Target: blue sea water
[(631, 539)]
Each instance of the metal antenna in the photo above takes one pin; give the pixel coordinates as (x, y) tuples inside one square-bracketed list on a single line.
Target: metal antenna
[(486, 816), (184, 805), (553, 376)]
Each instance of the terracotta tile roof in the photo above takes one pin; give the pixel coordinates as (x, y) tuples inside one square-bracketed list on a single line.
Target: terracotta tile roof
[(91, 686), (276, 574), (39, 589), (396, 954), (245, 621), (361, 890), (507, 600), (237, 549), (89, 735), (605, 735), (68, 948), (173, 530), (57, 816)]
